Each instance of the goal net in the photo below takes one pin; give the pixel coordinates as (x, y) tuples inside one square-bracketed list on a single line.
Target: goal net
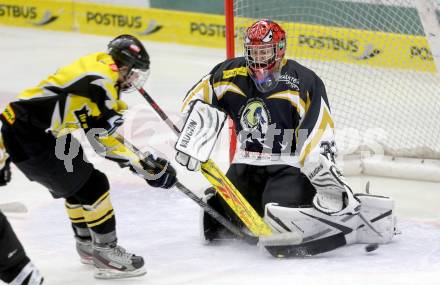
[(379, 71)]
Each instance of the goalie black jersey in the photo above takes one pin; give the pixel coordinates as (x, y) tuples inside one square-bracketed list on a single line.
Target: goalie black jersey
[(286, 125)]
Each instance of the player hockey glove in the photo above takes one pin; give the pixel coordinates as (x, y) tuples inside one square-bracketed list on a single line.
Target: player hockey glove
[(199, 134), (157, 171), (333, 196)]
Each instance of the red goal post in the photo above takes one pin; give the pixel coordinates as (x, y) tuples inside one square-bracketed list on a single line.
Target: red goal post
[(230, 53)]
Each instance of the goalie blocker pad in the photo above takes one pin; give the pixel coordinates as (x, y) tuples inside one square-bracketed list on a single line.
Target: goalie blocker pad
[(201, 130), (322, 233)]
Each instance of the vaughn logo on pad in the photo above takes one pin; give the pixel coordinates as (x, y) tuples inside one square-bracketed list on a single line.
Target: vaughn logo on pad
[(201, 131)]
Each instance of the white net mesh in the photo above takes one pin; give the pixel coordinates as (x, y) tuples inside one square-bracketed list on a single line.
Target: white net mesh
[(376, 63)]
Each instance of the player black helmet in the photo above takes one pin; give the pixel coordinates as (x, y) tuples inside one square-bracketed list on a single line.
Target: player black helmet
[(126, 50), (130, 55)]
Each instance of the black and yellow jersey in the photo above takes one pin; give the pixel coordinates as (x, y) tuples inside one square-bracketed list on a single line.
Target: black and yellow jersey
[(69, 99), (286, 125), (88, 85)]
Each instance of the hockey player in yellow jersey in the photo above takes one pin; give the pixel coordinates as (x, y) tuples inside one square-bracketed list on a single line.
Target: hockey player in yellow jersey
[(85, 94)]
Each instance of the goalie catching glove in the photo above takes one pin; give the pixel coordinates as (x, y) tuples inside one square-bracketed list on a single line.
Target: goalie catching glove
[(333, 196), (199, 134)]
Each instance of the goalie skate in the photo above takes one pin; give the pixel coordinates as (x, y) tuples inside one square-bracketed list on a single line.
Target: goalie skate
[(114, 262)]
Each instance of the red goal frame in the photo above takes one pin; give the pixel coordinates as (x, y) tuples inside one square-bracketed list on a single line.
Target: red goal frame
[(230, 53)]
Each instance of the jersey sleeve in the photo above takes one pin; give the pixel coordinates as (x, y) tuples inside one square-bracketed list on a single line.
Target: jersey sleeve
[(202, 90), (315, 133)]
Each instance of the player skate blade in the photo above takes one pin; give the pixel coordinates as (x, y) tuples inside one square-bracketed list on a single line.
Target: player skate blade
[(116, 274), (87, 261), (280, 239)]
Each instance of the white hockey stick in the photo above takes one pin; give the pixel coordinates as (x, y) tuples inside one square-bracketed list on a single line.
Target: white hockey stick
[(13, 207)]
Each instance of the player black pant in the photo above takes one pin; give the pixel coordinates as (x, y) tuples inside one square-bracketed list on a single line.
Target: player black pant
[(281, 184), (12, 255), (33, 151), (85, 189)]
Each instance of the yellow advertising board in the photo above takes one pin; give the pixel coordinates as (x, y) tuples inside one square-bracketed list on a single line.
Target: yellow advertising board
[(304, 41), (152, 24), (54, 15), (359, 47)]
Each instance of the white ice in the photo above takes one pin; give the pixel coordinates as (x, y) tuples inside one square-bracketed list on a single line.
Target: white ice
[(163, 225)]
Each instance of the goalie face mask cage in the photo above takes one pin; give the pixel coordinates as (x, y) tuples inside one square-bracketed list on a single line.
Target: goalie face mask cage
[(264, 46)]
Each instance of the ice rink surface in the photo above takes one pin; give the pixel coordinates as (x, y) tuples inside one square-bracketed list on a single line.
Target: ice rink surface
[(163, 225)]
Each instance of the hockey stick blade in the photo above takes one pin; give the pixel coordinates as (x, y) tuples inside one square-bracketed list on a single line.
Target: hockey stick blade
[(281, 239), (308, 248), (13, 207)]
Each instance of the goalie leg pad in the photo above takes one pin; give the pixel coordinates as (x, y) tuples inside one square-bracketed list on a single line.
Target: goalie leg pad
[(379, 211), (311, 223), (320, 232)]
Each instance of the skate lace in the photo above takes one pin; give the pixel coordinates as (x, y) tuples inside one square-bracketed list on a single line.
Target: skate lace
[(120, 254)]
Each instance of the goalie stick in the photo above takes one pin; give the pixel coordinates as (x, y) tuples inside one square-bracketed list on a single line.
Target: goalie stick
[(221, 183), (13, 207)]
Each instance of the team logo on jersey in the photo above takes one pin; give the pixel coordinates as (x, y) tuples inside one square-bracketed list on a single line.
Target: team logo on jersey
[(82, 116), (255, 116), (9, 114), (235, 72)]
